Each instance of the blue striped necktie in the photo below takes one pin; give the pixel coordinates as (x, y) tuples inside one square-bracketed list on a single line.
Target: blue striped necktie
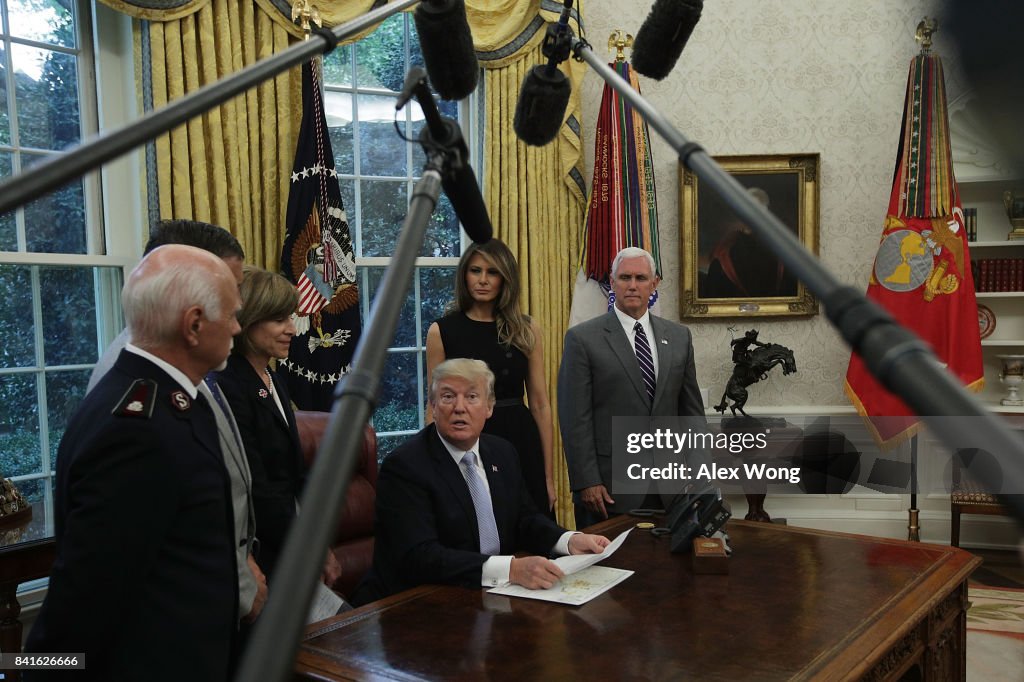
[(489, 543), (646, 360)]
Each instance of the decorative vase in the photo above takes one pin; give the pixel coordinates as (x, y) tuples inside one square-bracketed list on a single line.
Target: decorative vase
[(1014, 203), (1011, 375)]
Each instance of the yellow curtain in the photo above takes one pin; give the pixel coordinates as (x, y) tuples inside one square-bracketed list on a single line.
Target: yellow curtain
[(231, 165), (535, 195)]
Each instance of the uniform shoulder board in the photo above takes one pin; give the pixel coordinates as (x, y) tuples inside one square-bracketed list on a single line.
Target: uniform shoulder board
[(138, 400)]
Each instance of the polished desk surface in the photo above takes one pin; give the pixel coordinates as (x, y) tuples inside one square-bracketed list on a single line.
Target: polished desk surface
[(797, 603)]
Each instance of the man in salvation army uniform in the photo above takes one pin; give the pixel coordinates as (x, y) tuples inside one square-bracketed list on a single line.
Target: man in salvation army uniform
[(144, 583)]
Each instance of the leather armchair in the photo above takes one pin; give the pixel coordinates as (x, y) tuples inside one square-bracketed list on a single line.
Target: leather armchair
[(353, 536)]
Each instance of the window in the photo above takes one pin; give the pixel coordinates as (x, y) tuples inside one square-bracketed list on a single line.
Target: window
[(58, 292), (377, 170)]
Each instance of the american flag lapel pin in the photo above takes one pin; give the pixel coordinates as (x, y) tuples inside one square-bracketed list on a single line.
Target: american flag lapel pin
[(665, 341)]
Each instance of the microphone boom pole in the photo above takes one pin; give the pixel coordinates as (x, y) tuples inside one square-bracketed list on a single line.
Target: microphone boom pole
[(893, 354), (271, 650), (62, 168)]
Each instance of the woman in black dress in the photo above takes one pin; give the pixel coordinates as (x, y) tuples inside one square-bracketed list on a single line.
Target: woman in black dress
[(486, 323)]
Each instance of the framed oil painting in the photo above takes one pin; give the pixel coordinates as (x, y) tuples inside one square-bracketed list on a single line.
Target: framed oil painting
[(726, 270)]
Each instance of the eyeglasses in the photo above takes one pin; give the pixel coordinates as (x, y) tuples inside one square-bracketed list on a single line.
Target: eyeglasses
[(449, 398)]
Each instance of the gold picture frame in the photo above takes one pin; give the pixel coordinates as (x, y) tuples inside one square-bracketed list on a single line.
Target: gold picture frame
[(726, 271)]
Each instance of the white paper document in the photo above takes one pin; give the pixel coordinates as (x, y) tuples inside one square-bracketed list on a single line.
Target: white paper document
[(325, 604), (583, 580)]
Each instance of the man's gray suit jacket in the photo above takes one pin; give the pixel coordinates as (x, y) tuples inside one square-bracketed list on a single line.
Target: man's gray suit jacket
[(599, 379)]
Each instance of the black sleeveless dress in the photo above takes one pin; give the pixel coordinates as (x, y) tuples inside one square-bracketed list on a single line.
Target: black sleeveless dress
[(511, 420)]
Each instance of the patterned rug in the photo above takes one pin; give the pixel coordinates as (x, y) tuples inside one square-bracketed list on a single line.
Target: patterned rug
[(995, 634)]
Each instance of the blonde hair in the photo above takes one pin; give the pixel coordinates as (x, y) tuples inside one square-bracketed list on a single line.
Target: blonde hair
[(462, 368), (514, 327)]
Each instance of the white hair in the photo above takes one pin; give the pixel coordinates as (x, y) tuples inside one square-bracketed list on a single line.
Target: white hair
[(633, 252), (153, 304)]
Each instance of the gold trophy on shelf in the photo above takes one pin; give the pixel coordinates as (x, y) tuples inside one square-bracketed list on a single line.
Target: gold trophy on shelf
[(1014, 204)]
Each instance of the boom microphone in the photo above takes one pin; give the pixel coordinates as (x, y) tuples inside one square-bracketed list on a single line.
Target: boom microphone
[(663, 35), (545, 92), (447, 46), (441, 134)]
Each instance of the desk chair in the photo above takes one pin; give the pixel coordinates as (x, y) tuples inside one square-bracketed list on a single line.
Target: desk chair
[(967, 496)]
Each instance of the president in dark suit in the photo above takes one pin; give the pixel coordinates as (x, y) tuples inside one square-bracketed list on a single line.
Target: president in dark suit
[(144, 582), (451, 503), (626, 363)]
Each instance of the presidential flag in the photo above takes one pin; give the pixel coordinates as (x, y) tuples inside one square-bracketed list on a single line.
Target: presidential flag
[(922, 269), (623, 206), (318, 256)]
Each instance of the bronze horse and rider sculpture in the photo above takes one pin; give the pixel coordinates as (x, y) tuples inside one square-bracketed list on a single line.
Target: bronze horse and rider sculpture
[(750, 366)]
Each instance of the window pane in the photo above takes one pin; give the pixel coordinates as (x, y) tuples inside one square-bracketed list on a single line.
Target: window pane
[(33, 490), (338, 109), (387, 444), (384, 205), (405, 333), (380, 57), (46, 84), (381, 150), (16, 327), (437, 289), (398, 409), (69, 315), (55, 223), (64, 392), (442, 238), (46, 21), (8, 225), (19, 425), (338, 67), (5, 121)]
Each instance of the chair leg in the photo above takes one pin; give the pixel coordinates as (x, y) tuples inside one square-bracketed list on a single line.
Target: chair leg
[(954, 526)]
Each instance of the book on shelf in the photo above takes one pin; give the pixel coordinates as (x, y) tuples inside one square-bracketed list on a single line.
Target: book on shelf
[(998, 274)]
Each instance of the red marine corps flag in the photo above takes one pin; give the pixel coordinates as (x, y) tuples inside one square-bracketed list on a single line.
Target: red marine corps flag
[(922, 270), (318, 257)]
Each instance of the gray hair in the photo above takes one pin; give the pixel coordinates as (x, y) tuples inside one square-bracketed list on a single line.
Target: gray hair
[(462, 368), (154, 301), (633, 252)]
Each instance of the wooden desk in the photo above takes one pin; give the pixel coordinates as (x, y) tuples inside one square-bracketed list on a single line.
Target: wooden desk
[(797, 604), (26, 553)]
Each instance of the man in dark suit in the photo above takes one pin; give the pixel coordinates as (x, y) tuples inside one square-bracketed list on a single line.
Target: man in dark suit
[(252, 584), (144, 582), (602, 377), (451, 503)]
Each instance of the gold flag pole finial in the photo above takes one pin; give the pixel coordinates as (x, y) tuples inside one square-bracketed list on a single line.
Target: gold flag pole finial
[(619, 41), (924, 32), (304, 13)]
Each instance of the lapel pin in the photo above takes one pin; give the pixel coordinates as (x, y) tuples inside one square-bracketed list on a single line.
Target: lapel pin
[(263, 393), (494, 468), (665, 341)]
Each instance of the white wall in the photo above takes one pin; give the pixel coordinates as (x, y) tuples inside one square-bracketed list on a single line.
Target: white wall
[(777, 77)]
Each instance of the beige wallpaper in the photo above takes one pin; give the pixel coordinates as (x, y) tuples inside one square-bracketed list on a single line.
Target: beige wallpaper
[(775, 77)]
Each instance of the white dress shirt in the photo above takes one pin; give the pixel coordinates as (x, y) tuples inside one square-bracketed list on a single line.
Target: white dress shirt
[(496, 569), (628, 323)]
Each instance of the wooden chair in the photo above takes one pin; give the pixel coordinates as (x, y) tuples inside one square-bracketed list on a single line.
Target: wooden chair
[(967, 496)]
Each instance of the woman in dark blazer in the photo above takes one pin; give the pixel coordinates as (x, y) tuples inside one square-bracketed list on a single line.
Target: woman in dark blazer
[(259, 400)]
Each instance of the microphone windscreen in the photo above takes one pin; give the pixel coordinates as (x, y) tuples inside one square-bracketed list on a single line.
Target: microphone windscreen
[(541, 106), (447, 47), (462, 190), (663, 35)]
